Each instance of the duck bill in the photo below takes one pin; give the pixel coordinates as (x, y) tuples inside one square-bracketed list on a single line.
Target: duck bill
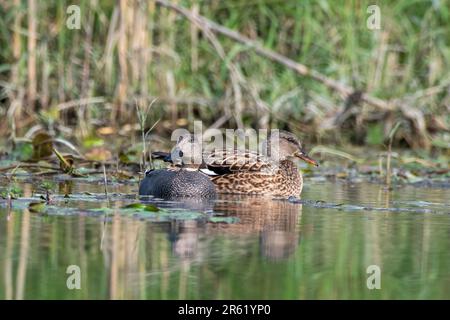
[(306, 158)]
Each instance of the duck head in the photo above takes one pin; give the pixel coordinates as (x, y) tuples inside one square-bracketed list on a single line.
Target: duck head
[(284, 145), (187, 153)]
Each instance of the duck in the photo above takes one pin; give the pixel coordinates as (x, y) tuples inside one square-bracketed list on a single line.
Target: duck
[(268, 173), (183, 178)]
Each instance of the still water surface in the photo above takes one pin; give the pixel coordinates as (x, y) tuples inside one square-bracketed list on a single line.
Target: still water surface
[(233, 248)]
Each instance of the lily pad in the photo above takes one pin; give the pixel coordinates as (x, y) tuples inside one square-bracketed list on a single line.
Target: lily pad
[(37, 207), (224, 220), (142, 206)]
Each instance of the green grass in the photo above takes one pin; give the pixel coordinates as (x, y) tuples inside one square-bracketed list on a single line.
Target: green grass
[(410, 53)]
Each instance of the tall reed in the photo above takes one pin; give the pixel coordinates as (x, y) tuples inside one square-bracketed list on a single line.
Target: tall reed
[(137, 49)]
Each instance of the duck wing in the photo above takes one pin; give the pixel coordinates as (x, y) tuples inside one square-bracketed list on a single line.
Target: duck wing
[(233, 161)]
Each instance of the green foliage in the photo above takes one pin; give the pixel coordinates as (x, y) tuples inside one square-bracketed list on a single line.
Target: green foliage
[(93, 141), (375, 135), (142, 207), (48, 185), (12, 190), (408, 54), (22, 151), (223, 219)]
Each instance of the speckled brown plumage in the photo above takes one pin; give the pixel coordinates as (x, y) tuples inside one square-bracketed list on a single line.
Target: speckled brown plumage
[(252, 173), (284, 182)]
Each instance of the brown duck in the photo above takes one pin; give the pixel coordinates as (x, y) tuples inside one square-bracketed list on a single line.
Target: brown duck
[(246, 172)]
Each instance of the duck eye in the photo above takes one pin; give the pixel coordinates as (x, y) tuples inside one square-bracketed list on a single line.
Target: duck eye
[(180, 153)]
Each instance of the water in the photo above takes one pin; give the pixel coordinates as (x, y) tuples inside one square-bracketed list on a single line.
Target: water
[(236, 247)]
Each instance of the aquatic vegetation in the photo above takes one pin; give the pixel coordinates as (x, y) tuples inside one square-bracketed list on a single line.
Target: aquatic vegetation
[(83, 109), (256, 249)]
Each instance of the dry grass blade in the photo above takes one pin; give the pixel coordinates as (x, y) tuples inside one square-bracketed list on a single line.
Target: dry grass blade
[(142, 114)]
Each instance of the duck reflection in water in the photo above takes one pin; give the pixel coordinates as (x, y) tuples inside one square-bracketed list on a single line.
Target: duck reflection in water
[(274, 222)]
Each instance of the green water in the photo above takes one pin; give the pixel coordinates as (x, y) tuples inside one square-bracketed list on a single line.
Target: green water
[(268, 249)]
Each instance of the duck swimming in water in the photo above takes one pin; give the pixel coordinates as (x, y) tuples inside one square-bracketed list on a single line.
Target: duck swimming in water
[(273, 174), (182, 179)]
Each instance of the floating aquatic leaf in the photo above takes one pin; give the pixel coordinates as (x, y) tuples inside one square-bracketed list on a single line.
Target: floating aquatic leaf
[(224, 219), (151, 208), (134, 206), (37, 207), (142, 206), (104, 210)]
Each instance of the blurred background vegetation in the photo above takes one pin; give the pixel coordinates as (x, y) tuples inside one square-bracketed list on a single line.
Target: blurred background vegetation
[(81, 84), (91, 90)]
